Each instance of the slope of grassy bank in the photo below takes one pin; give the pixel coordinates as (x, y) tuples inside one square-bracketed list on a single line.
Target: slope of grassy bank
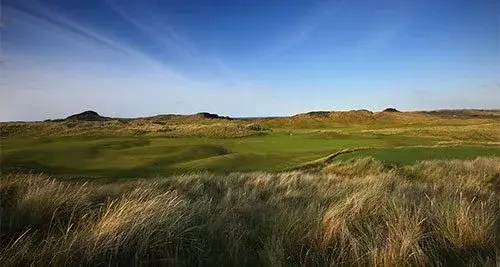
[(346, 214)]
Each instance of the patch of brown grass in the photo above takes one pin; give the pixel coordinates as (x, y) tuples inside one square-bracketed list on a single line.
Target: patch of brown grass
[(485, 132), (431, 213), (367, 119), (167, 127)]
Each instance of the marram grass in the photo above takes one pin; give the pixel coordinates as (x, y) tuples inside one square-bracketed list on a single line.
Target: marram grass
[(432, 213)]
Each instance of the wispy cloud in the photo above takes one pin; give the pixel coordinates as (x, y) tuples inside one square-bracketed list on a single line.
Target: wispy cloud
[(66, 66), (145, 17), (305, 26), (165, 35), (37, 12), (385, 26), (101, 72), (58, 61), (385, 30)]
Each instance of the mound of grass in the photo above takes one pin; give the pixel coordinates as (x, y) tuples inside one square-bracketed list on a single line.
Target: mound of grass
[(168, 126), (375, 120), (88, 115), (434, 213)]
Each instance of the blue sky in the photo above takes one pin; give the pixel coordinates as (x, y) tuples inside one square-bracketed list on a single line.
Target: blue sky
[(246, 58)]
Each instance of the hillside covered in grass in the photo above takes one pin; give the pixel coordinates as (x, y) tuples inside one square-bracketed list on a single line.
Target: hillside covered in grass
[(90, 123), (434, 123), (349, 213), (91, 145)]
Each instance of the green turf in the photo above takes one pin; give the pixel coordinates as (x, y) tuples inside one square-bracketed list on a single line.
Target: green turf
[(410, 155), (132, 156)]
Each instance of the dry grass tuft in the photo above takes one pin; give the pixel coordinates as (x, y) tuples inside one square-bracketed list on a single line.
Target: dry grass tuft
[(432, 213)]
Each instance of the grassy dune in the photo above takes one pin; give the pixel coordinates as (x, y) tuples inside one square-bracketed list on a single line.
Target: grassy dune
[(131, 127), (439, 212)]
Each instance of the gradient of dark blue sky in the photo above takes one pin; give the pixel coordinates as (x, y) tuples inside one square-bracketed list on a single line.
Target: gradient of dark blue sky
[(246, 58)]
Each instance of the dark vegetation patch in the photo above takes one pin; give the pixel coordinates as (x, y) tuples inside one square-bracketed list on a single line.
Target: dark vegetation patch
[(207, 115), (390, 110), (257, 127), (88, 115)]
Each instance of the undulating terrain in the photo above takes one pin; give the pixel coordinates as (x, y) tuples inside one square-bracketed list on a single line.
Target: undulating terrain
[(90, 145), (352, 188)]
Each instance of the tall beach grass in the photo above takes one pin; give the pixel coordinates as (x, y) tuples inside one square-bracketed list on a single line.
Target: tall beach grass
[(360, 213)]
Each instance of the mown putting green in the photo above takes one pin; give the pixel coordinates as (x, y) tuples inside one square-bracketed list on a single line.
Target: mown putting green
[(132, 156)]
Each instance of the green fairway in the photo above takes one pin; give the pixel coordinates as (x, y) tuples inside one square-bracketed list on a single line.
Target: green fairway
[(409, 155), (147, 156)]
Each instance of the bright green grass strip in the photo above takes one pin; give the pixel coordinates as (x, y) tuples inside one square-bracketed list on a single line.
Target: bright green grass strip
[(410, 155)]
